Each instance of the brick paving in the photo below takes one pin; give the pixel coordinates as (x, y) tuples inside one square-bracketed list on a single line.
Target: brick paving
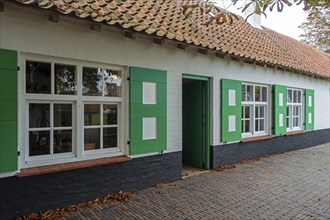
[(295, 185)]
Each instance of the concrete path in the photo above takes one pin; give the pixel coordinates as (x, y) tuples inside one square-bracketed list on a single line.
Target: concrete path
[(295, 185)]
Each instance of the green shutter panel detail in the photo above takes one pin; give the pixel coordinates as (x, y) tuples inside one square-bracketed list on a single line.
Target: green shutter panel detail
[(309, 109), (279, 109), (148, 110), (231, 110), (8, 110)]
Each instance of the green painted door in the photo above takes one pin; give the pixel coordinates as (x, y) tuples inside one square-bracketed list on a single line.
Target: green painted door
[(195, 123)]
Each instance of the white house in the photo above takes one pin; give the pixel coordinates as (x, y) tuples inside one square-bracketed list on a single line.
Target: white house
[(98, 96)]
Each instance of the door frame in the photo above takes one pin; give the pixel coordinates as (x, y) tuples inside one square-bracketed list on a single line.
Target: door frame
[(206, 159)]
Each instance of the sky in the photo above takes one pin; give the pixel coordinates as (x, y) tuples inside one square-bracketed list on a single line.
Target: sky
[(285, 22)]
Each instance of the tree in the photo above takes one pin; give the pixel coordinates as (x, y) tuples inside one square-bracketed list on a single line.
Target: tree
[(317, 30), (221, 16)]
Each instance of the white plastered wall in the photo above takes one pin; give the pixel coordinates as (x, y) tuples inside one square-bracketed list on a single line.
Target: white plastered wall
[(29, 31)]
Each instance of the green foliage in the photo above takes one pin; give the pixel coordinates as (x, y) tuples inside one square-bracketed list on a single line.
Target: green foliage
[(221, 16), (317, 29)]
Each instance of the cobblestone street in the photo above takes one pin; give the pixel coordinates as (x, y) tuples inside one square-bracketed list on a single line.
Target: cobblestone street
[(294, 185)]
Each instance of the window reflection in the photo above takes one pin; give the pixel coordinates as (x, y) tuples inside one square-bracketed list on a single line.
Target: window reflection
[(92, 81), (65, 79), (112, 83), (38, 77), (92, 114), (39, 115)]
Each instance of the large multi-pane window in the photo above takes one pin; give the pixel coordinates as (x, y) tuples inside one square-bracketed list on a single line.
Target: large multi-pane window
[(254, 109), (294, 109), (72, 108)]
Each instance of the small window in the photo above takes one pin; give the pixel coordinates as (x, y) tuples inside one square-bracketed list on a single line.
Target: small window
[(254, 110), (99, 125), (46, 136), (96, 80), (294, 109)]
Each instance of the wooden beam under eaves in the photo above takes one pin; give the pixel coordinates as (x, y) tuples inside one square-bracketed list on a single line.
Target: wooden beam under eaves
[(235, 58), (1, 6), (220, 55), (202, 50), (96, 27), (130, 35), (53, 18), (158, 40), (183, 46)]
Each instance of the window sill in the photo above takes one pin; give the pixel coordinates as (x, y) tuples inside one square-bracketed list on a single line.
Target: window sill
[(294, 133), (253, 139), (71, 166)]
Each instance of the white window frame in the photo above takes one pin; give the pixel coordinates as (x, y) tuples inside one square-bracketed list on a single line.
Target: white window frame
[(77, 101), (253, 104), (290, 106)]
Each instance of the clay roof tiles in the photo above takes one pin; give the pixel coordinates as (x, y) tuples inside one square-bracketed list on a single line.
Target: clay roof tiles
[(164, 18)]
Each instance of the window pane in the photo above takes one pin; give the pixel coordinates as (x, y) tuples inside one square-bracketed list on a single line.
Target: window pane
[(262, 125), (91, 114), (112, 83), (256, 122), (299, 96), (92, 81), (244, 92), (92, 139), (62, 115), (243, 126), (262, 111), (288, 122), (62, 141), (295, 122), (65, 79), (110, 114), (243, 111), (39, 115), (295, 96), (39, 143), (257, 93), (249, 94), (264, 94), (110, 137), (247, 126), (288, 111), (247, 111), (296, 111), (38, 77), (289, 96), (257, 111)]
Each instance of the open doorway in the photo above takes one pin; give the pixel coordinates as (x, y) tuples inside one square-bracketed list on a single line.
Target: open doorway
[(195, 124)]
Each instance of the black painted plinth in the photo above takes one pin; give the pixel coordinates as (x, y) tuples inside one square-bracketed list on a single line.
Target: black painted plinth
[(22, 195), (237, 152)]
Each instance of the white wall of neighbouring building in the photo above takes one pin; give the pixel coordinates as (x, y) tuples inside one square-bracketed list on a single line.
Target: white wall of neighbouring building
[(30, 31)]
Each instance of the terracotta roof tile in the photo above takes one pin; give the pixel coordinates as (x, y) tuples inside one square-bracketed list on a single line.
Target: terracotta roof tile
[(164, 18)]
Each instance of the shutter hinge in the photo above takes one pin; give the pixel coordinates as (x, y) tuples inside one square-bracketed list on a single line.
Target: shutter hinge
[(18, 68), (128, 142), (304, 123), (18, 153), (128, 78)]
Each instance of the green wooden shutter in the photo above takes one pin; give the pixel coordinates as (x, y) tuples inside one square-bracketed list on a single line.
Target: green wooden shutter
[(148, 119), (279, 109), (231, 110), (309, 109), (8, 110)]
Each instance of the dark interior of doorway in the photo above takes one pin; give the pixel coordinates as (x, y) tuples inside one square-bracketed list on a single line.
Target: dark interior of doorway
[(194, 125)]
